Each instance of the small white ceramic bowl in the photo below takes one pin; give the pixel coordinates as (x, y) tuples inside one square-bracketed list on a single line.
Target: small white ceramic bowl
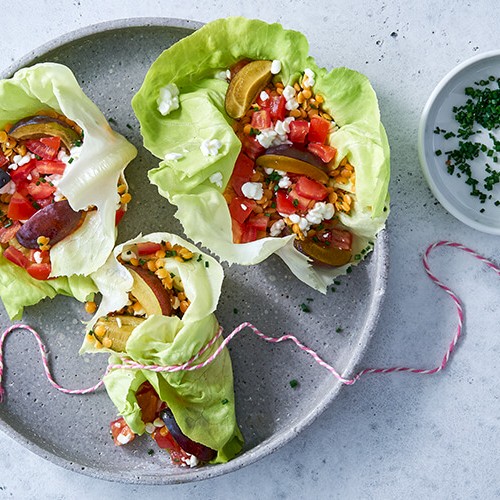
[(452, 192)]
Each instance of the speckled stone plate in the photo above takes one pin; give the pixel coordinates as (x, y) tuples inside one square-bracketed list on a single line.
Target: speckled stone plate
[(110, 61)]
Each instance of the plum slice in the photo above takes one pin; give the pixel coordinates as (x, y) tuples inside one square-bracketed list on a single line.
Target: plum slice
[(34, 127), (294, 160), (200, 451), (55, 221)]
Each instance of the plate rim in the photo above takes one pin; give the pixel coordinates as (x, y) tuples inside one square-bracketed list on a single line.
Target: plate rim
[(379, 257), (424, 121)]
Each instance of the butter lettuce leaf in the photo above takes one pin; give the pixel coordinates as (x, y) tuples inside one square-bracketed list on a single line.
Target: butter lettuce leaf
[(90, 180), (202, 401), (195, 65)]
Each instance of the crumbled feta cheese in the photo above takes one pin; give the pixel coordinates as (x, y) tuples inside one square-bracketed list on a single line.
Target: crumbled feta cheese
[(243, 207), (140, 312), (285, 182), (158, 422), (320, 211), (264, 96), (221, 75), (128, 255), (168, 100), (289, 92), (308, 79), (268, 171), (210, 147), (252, 190), (277, 227), (281, 172), (124, 438), (118, 321), (13, 166), (304, 225), (37, 256), (9, 188), (192, 461), (150, 428), (275, 67), (62, 156), (266, 137), (283, 127), (216, 179), (173, 156), (292, 104), (294, 218), (176, 303)]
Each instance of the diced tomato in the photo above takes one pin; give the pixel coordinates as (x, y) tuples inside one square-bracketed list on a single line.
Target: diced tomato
[(251, 146), (149, 402), (340, 238), (147, 248), (52, 142), (300, 202), (319, 129), (237, 231), (323, 151), (7, 233), (165, 441), (16, 256), (284, 204), (119, 215), (41, 190), (258, 221), (311, 189), (242, 172), (37, 147), (20, 175), (20, 208), (45, 201), (241, 209), (3, 160), (49, 167), (261, 119), (249, 234), (43, 256), (121, 432), (237, 66), (39, 271), (277, 107), (298, 131)]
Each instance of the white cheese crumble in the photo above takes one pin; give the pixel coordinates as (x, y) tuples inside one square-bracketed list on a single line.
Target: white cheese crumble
[(173, 156), (266, 137), (283, 127), (285, 182), (168, 99), (216, 179), (264, 96), (124, 439), (277, 227), (221, 75), (210, 147), (308, 78), (292, 104), (253, 190), (243, 207), (9, 188), (37, 256), (127, 255), (158, 422), (150, 428), (118, 321), (289, 92), (275, 67), (320, 211)]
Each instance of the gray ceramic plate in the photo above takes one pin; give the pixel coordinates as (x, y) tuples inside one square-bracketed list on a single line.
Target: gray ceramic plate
[(110, 61)]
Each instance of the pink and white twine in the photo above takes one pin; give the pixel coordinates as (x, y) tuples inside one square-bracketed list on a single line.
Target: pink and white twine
[(191, 364)]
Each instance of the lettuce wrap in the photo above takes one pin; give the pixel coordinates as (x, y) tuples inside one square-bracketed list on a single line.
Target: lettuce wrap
[(202, 401), (195, 65), (90, 182)]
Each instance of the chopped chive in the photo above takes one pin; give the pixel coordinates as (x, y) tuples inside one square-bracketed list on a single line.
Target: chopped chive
[(293, 383), (225, 401), (206, 263), (305, 308), (235, 311)]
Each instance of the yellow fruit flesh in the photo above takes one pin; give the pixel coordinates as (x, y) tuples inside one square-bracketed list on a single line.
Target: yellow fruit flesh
[(293, 166)]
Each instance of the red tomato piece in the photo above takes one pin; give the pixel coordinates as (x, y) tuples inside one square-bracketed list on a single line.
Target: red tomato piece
[(300, 202), (121, 432), (251, 146), (243, 170), (241, 209), (49, 167), (20, 208), (16, 256), (261, 119), (237, 231), (311, 189), (119, 215), (284, 204), (149, 402), (323, 151), (249, 234), (319, 129), (39, 271), (298, 131), (277, 107), (52, 142), (20, 175), (258, 221), (147, 248), (339, 238), (7, 233), (37, 147), (165, 441), (3, 160), (40, 190)]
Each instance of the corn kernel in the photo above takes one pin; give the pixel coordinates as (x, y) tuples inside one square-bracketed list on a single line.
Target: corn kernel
[(134, 261), (125, 198), (162, 273), (107, 342), (122, 188), (100, 330), (90, 307), (184, 306)]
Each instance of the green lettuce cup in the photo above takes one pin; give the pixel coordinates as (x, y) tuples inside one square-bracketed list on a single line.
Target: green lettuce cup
[(181, 110), (202, 400), (89, 185)]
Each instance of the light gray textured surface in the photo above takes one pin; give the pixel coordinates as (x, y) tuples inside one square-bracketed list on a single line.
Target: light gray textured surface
[(387, 436)]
